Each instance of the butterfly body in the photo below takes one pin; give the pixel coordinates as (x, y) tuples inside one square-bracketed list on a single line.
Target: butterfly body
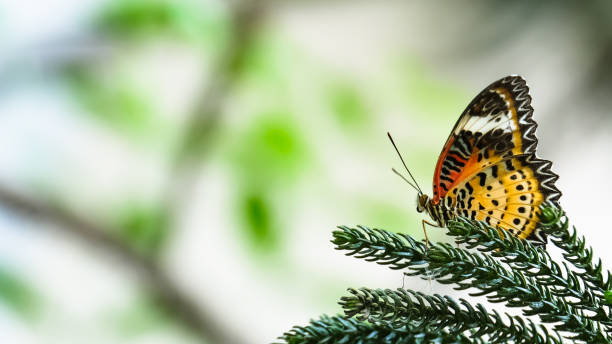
[(440, 212), (488, 170)]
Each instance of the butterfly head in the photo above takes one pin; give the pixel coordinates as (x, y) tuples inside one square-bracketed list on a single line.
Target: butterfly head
[(422, 200)]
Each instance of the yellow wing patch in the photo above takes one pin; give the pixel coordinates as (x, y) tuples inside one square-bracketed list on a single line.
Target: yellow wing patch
[(506, 195)]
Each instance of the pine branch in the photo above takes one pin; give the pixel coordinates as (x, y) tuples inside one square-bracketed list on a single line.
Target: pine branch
[(398, 251), (405, 306), (555, 224), (535, 262), (468, 270), (572, 297), (339, 329)]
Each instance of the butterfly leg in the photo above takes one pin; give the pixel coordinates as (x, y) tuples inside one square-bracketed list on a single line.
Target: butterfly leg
[(425, 231)]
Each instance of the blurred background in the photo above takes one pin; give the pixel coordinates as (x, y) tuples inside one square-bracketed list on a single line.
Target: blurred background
[(171, 171)]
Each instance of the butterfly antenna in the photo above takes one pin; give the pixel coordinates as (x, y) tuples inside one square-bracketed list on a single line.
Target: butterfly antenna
[(416, 185), (406, 180)]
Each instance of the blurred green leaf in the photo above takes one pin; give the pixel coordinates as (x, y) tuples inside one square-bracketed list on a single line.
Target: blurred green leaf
[(271, 151), (347, 104), (145, 227), (197, 20), (268, 157), (18, 295), (118, 102), (265, 61), (258, 216)]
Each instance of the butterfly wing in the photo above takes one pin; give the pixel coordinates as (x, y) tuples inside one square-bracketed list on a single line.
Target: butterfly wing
[(507, 195), (496, 125), (488, 169)]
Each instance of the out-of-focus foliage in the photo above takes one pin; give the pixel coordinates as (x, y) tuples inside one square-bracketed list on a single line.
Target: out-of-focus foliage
[(260, 226), (18, 295), (139, 318), (145, 227), (198, 21), (269, 157), (272, 151), (266, 64), (113, 88), (348, 104), (116, 101)]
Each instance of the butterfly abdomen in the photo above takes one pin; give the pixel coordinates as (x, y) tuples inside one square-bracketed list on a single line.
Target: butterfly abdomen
[(441, 212)]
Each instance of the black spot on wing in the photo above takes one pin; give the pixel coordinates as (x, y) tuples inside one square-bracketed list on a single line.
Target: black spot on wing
[(494, 169), (483, 178), (469, 188)]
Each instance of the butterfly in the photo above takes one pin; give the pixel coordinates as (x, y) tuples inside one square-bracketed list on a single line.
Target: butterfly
[(488, 169)]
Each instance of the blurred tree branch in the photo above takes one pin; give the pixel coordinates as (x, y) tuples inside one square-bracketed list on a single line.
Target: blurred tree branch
[(168, 293), (199, 130), (204, 120)]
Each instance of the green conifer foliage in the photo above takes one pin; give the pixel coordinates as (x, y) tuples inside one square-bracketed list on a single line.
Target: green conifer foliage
[(560, 301)]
